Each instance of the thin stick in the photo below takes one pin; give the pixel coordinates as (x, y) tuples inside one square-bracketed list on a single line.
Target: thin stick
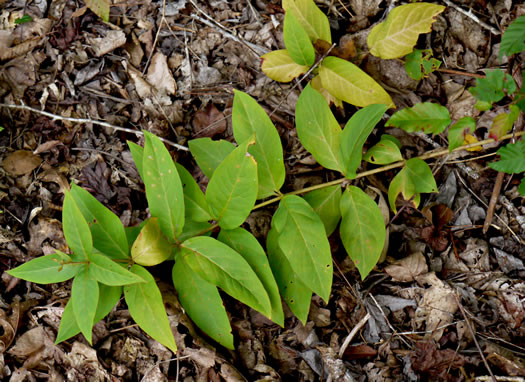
[(460, 73), (460, 306), (352, 334), (473, 17), (493, 200), (86, 120)]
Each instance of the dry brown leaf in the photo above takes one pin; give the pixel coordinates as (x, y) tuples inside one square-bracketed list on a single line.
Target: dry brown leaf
[(408, 268), (208, 122), (21, 162), (160, 77), (113, 40)]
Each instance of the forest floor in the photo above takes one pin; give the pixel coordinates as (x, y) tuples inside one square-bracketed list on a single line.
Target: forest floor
[(448, 303)]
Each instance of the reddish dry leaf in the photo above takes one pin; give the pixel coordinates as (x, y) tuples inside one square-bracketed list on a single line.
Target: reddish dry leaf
[(359, 352), (208, 122), (428, 359), (21, 162)]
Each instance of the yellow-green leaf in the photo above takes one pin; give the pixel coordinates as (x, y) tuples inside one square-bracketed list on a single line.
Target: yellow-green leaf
[(99, 8), (346, 81), (151, 247), (397, 35), (502, 123), (279, 66), (329, 97), (312, 19)]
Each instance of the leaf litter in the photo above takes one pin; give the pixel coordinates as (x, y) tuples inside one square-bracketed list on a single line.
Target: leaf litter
[(172, 71)]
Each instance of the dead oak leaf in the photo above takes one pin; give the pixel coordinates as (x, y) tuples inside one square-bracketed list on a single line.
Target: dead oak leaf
[(408, 268)]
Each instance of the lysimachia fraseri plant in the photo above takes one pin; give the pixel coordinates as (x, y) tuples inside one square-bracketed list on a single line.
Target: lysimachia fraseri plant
[(200, 233)]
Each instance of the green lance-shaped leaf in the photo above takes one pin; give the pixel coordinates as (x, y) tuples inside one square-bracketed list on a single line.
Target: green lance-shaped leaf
[(249, 248), (491, 88), (76, 229), (279, 66), (347, 82), (303, 240), (397, 35), (220, 265), (362, 229), (151, 247), (84, 294), (312, 19), (194, 200), (354, 136), (108, 272), (163, 187), (108, 297), (428, 117), (297, 41), (318, 130), (137, 152), (48, 269), (193, 228), (512, 159), (106, 228), (203, 303), (232, 190), (317, 84), (458, 131), (249, 118), (146, 307), (513, 40), (386, 151), (503, 122), (209, 154), (415, 178), (325, 203), (296, 294)]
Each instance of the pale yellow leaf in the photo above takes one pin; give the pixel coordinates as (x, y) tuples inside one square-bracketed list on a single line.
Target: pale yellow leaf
[(312, 19), (346, 81), (279, 66), (397, 35), (330, 98)]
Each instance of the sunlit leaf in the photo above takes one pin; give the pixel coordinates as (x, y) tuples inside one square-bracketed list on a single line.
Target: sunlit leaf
[(313, 20), (513, 39), (354, 136), (295, 293), (325, 203), (512, 158), (108, 272), (426, 116), (362, 229), (249, 118), (318, 130), (147, 308), (163, 187), (232, 189), (220, 265), (249, 248), (415, 178), (279, 66), (346, 81), (209, 154), (201, 300), (397, 35), (297, 42), (329, 97), (458, 131), (303, 241)]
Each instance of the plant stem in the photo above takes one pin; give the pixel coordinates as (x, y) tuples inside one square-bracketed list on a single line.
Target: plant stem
[(429, 155)]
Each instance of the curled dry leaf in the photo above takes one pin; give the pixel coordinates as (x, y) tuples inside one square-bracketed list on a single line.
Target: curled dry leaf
[(21, 162), (102, 45), (408, 268)]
